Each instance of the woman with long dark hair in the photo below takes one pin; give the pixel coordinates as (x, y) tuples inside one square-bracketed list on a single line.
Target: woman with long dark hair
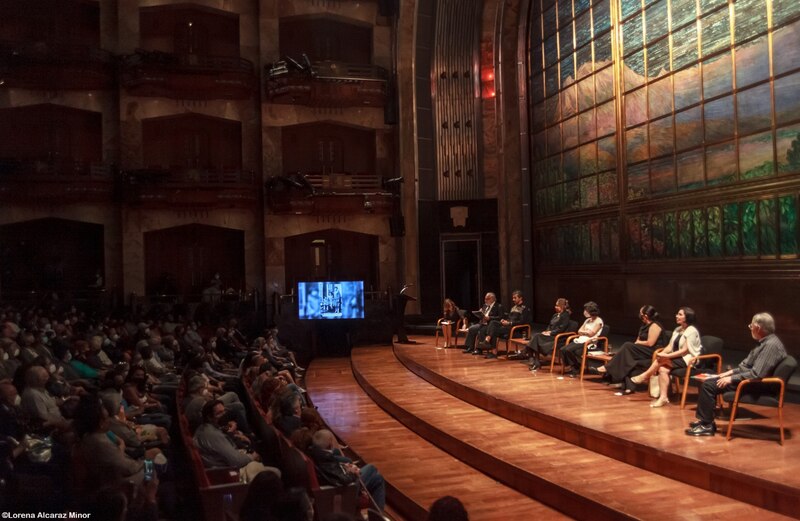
[(636, 354)]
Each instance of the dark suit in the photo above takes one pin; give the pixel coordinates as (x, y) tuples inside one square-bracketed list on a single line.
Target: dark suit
[(519, 315), (479, 330)]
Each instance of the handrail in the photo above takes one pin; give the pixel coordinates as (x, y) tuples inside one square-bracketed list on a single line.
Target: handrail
[(331, 71)]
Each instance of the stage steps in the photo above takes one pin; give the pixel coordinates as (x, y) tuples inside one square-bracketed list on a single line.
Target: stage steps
[(579, 482), (416, 471)]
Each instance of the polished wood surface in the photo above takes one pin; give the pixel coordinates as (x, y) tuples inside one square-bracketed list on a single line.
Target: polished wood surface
[(584, 461), (417, 472), (752, 467)]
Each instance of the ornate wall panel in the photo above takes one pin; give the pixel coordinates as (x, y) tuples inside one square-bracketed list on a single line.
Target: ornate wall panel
[(455, 89)]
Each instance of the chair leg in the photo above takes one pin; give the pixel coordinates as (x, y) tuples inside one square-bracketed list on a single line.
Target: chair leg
[(583, 362), (731, 420), (780, 420), (685, 389), (436, 344)]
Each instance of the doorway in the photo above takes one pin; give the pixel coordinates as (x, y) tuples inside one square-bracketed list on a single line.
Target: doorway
[(461, 269)]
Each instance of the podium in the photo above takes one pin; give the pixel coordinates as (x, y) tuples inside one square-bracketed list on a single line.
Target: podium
[(399, 302)]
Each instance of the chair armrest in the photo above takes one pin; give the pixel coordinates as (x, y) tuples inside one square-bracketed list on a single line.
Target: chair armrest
[(655, 353), (768, 380), (519, 327), (439, 322), (694, 361), (604, 341)]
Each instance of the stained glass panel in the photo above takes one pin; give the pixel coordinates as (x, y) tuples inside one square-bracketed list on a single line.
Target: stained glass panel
[(787, 39), (730, 230), (755, 156), (671, 235), (788, 211), (714, 223), (602, 16), (685, 233), (749, 228), (721, 163), (661, 140), (750, 17), (688, 128), (788, 145), (662, 175), (717, 76), (767, 220), (718, 115), (716, 32), (752, 62), (699, 248), (687, 87), (787, 100), (683, 11), (690, 170), (632, 37), (587, 126)]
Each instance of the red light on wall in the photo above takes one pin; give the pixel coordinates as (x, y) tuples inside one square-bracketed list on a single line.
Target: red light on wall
[(488, 90)]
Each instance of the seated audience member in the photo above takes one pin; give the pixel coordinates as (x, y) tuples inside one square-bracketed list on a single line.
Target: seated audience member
[(683, 346), (154, 367), (572, 353), (97, 357), (80, 362), (136, 394), (198, 394), (286, 408), (759, 363), (103, 461), (490, 311), (263, 493), (450, 318), (637, 353), (272, 366), (192, 337), (139, 440), (38, 403), (279, 351), (336, 470), (520, 314), (447, 508), (542, 343), (219, 448)]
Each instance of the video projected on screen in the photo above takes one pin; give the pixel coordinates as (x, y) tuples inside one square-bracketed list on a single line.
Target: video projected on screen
[(330, 300)]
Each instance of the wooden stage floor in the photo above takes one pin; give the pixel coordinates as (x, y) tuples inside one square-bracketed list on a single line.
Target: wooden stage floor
[(440, 422)]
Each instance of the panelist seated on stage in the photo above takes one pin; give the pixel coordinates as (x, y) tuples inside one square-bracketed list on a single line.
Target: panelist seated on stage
[(520, 314), (490, 311), (588, 332)]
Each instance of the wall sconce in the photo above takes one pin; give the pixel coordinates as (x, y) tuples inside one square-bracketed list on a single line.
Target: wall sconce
[(487, 83)]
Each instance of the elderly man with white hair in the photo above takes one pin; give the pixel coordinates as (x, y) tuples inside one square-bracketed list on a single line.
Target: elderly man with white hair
[(760, 363)]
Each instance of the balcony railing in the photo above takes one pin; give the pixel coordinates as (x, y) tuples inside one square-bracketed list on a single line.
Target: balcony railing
[(44, 65), (190, 186), (58, 180), (329, 194), (326, 84), (187, 76)]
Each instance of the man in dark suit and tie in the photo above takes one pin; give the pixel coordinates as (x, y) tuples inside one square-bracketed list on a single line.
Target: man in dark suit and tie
[(491, 310)]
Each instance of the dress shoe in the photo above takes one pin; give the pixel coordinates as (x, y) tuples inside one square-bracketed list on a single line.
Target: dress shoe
[(535, 364), (638, 379), (490, 356), (468, 350), (702, 430), (698, 423)]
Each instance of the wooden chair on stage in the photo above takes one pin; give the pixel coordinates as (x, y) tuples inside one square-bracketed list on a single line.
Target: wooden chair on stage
[(762, 391), (519, 335), (460, 328), (602, 343), (711, 352), (559, 341)]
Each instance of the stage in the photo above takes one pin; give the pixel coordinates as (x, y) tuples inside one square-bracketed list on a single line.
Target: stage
[(438, 422)]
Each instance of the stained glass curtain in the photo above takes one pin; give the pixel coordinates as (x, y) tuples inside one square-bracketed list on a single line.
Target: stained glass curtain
[(708, 98)]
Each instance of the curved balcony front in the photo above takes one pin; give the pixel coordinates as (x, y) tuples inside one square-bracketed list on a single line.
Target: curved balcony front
[(55, 181), (326, 84), (190, 187)]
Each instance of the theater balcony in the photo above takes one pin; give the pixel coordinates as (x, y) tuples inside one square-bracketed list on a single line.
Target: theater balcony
[(326, 83), (55, 181), (330, 194), (187, 76), (189, 187), (46, 66)]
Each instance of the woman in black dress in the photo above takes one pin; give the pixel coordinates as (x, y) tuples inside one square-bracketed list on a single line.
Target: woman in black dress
[(637, 354), (542, 343)]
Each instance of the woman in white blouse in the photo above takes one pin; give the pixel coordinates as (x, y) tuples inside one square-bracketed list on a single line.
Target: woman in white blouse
[(683, 346)]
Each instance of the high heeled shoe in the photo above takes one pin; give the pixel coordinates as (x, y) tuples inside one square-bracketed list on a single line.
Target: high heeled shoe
[(638, 379), (660, 402)]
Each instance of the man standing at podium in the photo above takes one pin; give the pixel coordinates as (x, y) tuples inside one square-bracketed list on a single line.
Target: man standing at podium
[(491, 310)]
